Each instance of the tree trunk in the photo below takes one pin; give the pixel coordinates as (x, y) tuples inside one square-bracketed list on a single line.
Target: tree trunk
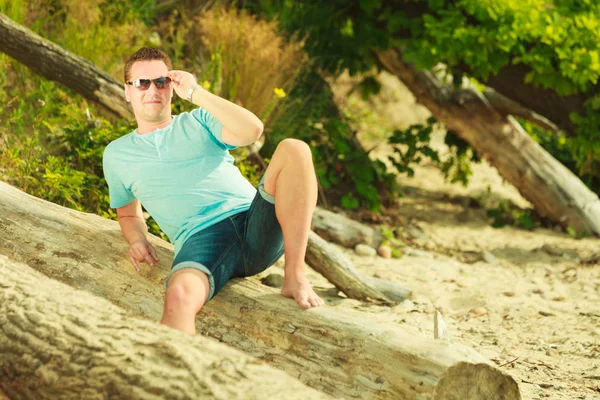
[(344, 354), (54, 63), (57, 342), (333, 265), (553, 190)]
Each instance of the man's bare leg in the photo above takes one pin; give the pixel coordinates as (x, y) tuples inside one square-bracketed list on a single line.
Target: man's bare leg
[(187, 292), (291, 178)]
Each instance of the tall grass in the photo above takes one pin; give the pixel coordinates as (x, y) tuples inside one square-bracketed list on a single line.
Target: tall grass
[(246, 60)]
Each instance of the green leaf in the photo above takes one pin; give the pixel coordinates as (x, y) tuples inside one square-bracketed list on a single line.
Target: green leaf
[(350, 202)]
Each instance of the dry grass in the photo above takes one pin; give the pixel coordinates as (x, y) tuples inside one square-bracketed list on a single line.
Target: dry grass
[(249, 59)]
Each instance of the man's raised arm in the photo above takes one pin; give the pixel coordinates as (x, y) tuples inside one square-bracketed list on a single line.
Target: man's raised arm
[(240, 126)]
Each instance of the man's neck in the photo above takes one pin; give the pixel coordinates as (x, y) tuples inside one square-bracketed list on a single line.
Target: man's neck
[(150, 126)]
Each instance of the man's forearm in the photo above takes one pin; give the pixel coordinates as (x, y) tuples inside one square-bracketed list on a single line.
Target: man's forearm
[(133, 228), (241, 123)]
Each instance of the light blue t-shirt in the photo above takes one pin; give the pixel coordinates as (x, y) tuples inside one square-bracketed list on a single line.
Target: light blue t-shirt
[(182, 174)]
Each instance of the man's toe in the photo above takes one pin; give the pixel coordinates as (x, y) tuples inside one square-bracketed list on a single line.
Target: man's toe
[(303, 301)]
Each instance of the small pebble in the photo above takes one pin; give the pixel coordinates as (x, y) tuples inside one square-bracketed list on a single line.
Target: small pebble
[(490, 258), (552, 250), (418, 253), (384, 251), (479, 311), (365, 250)]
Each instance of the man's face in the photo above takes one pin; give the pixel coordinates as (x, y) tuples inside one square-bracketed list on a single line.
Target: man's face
[(152, 104)]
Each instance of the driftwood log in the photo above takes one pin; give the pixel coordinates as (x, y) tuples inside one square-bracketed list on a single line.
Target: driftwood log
[(57, 64), (343, 354), (60, 343), (343, 231), (554, 191), (333, 265)]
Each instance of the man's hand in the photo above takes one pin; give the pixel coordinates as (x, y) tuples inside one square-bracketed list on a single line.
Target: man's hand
[(182, 82), (142, 251)]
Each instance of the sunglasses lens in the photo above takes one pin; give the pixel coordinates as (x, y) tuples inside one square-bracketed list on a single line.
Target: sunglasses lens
[(161, 83), (142, 84)]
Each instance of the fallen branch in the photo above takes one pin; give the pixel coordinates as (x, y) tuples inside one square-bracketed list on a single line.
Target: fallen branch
[(506, 106), (333, 265), (344, 231)]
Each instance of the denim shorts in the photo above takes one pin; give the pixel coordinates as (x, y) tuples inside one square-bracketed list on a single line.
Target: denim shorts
[(244, 244)]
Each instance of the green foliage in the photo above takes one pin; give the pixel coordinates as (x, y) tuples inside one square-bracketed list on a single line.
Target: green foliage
[(367, 87), (411, 144), (50, 143), (90, 31), (505, 213), (350, 202), (584, 148), (51, 146), (63, 165), (457, 165), (121, 11), (249, 168), (394, 243), (558, 41)]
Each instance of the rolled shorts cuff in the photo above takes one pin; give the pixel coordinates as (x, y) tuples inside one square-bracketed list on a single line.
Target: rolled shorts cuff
[(261, 189), (199, 267)]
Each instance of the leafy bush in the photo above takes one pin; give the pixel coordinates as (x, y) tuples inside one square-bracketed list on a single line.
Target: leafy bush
[(505, 213), (63, 165)]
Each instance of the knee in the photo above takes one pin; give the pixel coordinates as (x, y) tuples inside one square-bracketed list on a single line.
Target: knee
[(181, 298), (295, 150)]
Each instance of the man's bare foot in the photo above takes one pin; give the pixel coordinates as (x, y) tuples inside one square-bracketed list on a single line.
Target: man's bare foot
[(301, 291)]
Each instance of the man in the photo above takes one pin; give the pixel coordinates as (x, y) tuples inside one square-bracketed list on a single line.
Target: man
[(180, 169)]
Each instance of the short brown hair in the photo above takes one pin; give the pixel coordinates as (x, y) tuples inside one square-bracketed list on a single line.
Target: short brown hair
[(146, 54)]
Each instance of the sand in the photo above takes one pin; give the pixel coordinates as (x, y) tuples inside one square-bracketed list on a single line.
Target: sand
[(527, 300)]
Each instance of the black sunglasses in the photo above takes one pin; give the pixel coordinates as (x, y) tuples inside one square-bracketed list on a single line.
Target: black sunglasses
[(144, 84)]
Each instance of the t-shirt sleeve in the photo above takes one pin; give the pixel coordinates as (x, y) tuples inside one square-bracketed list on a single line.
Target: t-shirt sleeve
[(214, 127), (119, 195)]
